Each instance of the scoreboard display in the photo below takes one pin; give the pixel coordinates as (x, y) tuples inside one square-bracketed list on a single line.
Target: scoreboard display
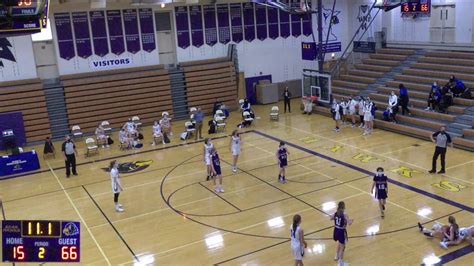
[(40, 241), (24, 15), (419, 7)]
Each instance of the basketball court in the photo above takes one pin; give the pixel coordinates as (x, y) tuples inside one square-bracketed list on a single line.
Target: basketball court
[(173, 216)]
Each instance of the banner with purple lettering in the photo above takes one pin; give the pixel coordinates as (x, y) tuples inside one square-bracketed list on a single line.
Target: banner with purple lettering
[(261, 18), (284, 24), (236, 22), (99, 33), (272, 14), (132, 36), (249, 21), (182, 26), (223, 23), (296, 21), (114, 23), (147, 29), (197, 33), (307, 22), (64, 34), (210, 27), (80, 22)]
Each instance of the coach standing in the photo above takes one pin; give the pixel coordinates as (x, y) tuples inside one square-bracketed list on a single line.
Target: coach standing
[(441, 138), (198, 117), (69, 152), (286, 99)]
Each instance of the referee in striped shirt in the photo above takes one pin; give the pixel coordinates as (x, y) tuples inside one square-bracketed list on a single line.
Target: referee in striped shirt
[(442, 139)]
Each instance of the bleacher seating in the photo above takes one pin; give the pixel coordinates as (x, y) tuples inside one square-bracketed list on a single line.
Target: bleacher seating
[(208, 80), (27, 96), (374, 67), (116, 95)]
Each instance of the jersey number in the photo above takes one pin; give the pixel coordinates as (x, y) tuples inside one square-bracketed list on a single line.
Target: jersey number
[(338, 221)]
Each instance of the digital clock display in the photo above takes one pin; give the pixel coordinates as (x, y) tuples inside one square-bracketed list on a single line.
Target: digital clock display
[(26, 15), (416, 6), (40, 241)]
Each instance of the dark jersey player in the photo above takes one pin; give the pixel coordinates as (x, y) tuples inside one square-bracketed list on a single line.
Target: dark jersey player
[(341, 220), (216, 170), (381, 189), (282, 157)]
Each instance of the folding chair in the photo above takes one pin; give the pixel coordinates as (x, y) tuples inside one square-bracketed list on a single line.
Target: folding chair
[(275, 113), (76, 131), (220, 119), (91, 147), (137, 122), (107, 128)]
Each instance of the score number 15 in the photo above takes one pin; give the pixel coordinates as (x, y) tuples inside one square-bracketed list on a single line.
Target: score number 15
[(19, 252)]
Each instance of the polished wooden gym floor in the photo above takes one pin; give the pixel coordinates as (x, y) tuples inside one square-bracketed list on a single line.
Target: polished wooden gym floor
[(173, 217)]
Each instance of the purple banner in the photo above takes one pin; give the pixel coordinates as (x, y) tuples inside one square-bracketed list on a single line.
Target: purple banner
[(249, 21), (80, 22), (296, 21), (307, 22), (210, 27), (64, 34), (114, 23), (182, 26), (99, 33), (197, 32), (272, 23), (147, 29), (284, 24), (132, 36), (261, 17), (223, 23), (236, 22)]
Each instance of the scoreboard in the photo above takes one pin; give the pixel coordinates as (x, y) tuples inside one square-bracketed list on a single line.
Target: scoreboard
[(40, 241), (418, 7), (24, 15)]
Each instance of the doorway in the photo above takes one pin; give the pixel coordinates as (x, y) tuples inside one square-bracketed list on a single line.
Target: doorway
[(443, 23), (45, 57), (165, 37)]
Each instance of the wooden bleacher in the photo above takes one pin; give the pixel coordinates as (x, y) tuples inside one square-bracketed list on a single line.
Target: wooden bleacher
[(27, 96), (208, 80), (116, 95)]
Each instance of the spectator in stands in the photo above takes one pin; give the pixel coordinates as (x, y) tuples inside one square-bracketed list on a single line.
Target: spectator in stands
[(392, 100), (217, 106), (131, 129), (69, 151), (286, 99), (389, 115), (165, 123), (48, 147), (124, 138), (198, 118), (456, 86), (434, 97), (404, 99), (157, 133), (442, 139), (101, 137), (446, 102), (246, 105)]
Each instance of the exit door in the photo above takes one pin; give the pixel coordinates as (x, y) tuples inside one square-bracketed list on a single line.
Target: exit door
[(165, 37), (443, 23)]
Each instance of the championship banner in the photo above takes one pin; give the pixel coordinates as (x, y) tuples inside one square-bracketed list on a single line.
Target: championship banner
[(80, 22), (284, 24), (261, 18), (64, 34), (99, 33), (236, 22), (197, 32), (210, 27), (147, 29), (114, 23), (182, 26), (223, 23), (249, 21), (307, 22), (295, 21), (132, 36), (272, 14)]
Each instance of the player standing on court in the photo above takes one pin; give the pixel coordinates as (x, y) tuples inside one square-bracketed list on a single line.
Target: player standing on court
[(298, 244), (341, 220), (234, 146), (282, 157), (381, 189), (216, 169), (116, 185), (207, 159)]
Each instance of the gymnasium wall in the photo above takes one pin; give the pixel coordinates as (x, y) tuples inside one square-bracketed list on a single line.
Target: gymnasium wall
[(16, 58)]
